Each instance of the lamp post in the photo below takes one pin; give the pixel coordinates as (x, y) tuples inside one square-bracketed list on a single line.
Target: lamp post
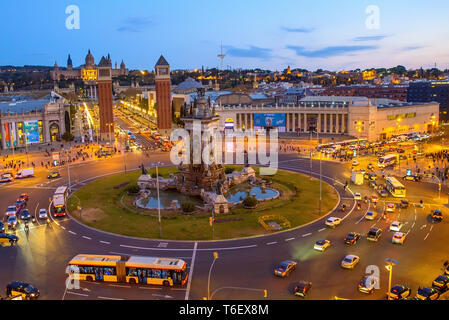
[(210, 271), (389, 263), (68, 167), (158, 198), (26, 149)]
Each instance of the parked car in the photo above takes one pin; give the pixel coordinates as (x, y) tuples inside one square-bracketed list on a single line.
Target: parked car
[(427, 293), (302, 288), (441, 283), (399, 292), (285, 268), (27, 291)]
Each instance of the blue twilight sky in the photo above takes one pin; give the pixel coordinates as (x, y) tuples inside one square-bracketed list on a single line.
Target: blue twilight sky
[(272, 34)]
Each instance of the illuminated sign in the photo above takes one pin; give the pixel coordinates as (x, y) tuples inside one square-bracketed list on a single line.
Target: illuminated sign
[(401, 116), (269, 119), (229, 123), (89, 74), (32, 132)]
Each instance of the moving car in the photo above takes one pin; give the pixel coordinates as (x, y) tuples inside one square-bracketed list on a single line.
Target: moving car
[(398, 238), (390, 207), (370, 166), (383, 193), (285, 268), (25, 173), (6, 237), (302, 288), (396, 226), (350, 261), (25, 215), (441, 283), (27, 291), (412, 177), (333, 221), (322, 245), (367, 284), (12, 222), (437, 215), (43, 214), (352, 238), (374, 234), (6, 177), (370, 215), (24, 197), (355, 163), (370, 176), (404, 204), (427, 294), (11, 211), (53, 175), (20, 204), (374, 199), (399, 292), (357, 196)]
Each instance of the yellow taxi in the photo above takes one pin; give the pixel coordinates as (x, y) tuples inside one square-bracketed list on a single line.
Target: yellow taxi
[(8, 238)]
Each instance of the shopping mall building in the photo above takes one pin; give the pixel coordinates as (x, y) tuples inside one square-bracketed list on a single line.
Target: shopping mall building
[(361, 117), (25, 120)]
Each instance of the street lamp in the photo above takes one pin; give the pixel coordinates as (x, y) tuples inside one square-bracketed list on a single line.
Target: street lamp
[(389, 263), (156, 164), (210, 271)]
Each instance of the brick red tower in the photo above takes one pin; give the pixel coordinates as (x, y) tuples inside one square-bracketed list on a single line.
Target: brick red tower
[(104, 82), (163, 96)]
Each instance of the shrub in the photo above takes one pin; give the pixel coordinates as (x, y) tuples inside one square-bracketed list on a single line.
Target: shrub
[(133, 189), (229, 170), (250, 201), (188, 206), (67, 136)]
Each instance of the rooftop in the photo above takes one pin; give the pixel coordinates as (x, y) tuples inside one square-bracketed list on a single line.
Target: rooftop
[(19, 104)]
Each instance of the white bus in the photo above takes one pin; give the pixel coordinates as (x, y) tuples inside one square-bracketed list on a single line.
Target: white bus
[(396, 188), (388, 160), (59, 201)]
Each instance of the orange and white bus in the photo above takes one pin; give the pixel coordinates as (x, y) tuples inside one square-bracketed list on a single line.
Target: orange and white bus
[(129, 269)]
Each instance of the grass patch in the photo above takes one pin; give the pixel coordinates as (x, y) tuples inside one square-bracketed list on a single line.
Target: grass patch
[(298, 203)]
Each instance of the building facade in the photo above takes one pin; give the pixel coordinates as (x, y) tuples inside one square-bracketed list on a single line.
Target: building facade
[(38, 121), (374, 119), (394, 92), (428, 91)]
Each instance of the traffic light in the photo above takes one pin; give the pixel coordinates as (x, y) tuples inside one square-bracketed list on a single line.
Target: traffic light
[(215, 255), (211, 221), (265, 294)]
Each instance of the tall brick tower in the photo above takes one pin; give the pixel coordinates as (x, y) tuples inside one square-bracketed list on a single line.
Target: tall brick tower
[(104, 81), (163, 96)]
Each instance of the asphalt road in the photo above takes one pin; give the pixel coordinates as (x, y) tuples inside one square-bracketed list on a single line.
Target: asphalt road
[(245, 266)]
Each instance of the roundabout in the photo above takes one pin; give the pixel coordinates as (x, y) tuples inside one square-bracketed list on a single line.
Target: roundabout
[(107, 206)]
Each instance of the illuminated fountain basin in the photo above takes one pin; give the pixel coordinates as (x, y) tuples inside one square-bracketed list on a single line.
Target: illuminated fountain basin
[(238, 193), (166, 199)]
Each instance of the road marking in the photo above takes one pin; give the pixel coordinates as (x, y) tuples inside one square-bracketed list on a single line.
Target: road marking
[(119, 286), (426, 236), (413, 224), (307, 234), (107, 298), (72, 232), (423, 226), (162, 245), (149, 288), (87, 238), (78, 294), (62, 227), (322, 229), (189, 281), (431, 227), (289, 239), (105, 242), (270, 243)]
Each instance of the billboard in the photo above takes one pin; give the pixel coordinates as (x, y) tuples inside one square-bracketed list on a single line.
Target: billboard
[(269, 120), (31, 129)]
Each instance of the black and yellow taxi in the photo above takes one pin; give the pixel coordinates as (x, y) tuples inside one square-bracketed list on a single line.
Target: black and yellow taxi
[(441, 283), (437, 215), (427, 293), (53, 175), (25, 290), (8, 238), (370, 176)]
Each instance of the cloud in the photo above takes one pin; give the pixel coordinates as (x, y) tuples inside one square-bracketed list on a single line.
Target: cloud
[(298, 30), (252, 52), (370, 38), (329, 51), (135, 24), (411, 48)]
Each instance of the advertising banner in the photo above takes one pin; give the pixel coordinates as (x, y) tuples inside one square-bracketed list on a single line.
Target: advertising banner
[(269, 120), (7, 135), (31, 129)]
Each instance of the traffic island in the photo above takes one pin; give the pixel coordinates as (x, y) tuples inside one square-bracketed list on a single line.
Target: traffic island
[(107, 205)]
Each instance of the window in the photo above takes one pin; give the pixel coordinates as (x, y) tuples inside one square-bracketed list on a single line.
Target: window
[(156, 274)]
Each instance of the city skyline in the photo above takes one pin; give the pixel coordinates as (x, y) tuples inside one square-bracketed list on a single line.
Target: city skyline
[(253, 34)]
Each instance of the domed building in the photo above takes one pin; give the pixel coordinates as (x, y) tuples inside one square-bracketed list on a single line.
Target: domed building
[(188, 86)]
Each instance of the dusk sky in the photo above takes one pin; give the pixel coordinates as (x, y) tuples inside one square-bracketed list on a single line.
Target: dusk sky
[(325, 34)]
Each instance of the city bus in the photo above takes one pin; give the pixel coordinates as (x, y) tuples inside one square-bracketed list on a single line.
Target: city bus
[(396, 188), (388, 160), (59, 201), (129, 269)]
